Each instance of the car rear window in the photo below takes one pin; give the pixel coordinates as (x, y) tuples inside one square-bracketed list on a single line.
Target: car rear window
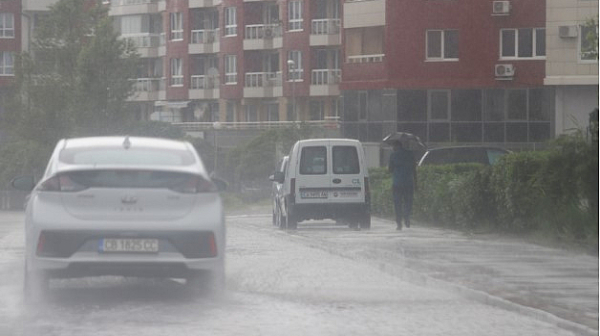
[(345, 160), (129, 179), (131, 156), (313, 160)]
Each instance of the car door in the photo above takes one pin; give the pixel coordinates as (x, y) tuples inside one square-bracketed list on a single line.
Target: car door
[(313, 177), (347, 175)]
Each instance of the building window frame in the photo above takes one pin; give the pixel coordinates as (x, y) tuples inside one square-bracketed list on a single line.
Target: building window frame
[(446, 53), (586, 52), (7, 63), (230, 69), (176, 72), (517, 36), (295, 20), (7, 25), (176, 26), (296, 72), (431, 114), (230, 21)]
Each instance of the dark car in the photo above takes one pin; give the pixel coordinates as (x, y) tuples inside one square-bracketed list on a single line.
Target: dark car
[(463, 154)]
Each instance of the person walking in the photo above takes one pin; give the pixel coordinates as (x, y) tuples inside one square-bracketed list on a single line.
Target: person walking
[(403, 167)]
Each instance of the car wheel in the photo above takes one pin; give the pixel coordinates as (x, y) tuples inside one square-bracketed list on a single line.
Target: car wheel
[(291, 223), (281, 220), (365, 223), (35, 286), (207, 283)]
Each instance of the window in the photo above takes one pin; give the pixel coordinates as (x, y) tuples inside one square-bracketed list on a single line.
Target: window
[(439, 105), (6, 64), (295, 71), (365, 45), (313, 160), (363, 105), (176, 26), (273, 112), (516, 104), (317, 110), (230, 115), (442, 45), (230, 69), (345, 160), (7, 25), (176, 72), (295, 15), (587, 50), (251, 113), (523, 43), (230, 21)]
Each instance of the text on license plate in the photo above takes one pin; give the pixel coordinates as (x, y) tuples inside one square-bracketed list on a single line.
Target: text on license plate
[(129, 245), (313, 194)]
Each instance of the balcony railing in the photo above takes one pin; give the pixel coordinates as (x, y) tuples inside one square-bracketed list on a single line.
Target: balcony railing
[(203, 82), (130, 2), (366, 58), (148, 84), (262, 31), (202, 36), (325, 26), (143, 40), (262, 79), (177, 80), (325, 76)]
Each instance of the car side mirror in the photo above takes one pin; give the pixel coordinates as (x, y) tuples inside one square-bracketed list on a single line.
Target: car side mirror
[(24, 183)]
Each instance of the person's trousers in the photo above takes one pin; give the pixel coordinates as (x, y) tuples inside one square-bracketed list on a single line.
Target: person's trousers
[(403, 201)]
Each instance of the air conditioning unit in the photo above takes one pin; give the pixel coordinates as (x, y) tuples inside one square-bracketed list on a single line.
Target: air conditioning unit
[(269, 33), (504, 71), (567, 31), (500, 7)]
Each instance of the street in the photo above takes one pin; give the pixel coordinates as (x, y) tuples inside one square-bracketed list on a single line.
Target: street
[(325, 279)]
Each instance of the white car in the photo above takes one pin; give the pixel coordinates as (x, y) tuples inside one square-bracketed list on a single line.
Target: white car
[(125, 206)]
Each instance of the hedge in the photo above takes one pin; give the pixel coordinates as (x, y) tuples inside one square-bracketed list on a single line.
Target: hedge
[(554, 191)]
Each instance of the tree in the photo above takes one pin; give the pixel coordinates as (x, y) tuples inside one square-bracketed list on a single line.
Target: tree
[(589, 33), (75, 79)]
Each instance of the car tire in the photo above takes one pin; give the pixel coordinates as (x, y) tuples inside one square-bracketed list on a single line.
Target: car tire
[(291, 223), (35, 286), (365, 222)]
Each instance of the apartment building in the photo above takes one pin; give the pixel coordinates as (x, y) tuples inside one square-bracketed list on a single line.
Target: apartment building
[(468, 71), (571, 67), (234, 60), (10, 44)]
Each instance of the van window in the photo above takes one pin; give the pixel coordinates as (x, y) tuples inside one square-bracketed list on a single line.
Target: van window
[(313, 160), (345, 160)]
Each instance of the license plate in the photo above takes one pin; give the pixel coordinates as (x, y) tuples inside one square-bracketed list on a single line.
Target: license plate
[(129, 245), (313, 194)]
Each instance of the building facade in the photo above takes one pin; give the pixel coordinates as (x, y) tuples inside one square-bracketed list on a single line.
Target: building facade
[(10, 46), (511, 73)]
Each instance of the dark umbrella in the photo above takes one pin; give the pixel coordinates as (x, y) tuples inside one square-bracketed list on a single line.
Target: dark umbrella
[(407, 140)]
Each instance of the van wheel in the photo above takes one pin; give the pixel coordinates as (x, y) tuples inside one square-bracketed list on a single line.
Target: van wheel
[(365, 223), (290, 222)]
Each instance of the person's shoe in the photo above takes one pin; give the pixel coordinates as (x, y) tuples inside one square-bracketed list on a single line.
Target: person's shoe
[(399, 227)]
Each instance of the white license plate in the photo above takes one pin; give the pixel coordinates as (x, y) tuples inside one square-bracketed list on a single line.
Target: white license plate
[(313, 194), (129, 245)]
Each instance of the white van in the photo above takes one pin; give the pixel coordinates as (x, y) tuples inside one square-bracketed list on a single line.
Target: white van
[(325, 179)]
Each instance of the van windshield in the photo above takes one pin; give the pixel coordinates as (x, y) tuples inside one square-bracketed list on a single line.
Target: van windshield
[(345, 160), (313, 160)]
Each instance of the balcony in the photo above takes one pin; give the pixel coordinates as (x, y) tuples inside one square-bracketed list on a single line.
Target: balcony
[(147, 89), (263, 36), (146, 44), (263, 85), (130, 7), (204, 41), (366, 58), (204, 3), (204, 87), (324, 82), (325, 32)]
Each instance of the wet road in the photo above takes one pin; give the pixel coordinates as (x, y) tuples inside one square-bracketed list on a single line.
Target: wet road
[(320, 280)]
